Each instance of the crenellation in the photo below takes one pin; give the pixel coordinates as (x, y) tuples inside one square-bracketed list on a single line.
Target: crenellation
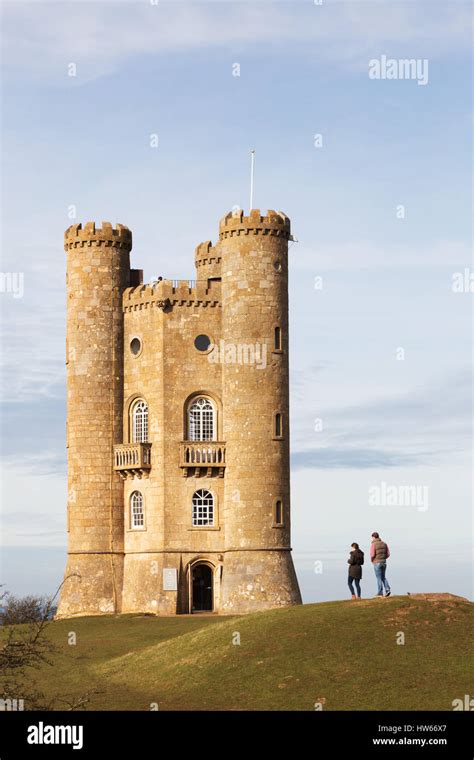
[(207, 259), (273, 223), (186, 356), (177, 292), (77, 236)]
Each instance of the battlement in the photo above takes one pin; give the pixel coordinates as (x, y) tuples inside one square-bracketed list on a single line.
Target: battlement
[(168, 293), (207, 255), (77, 236), (273, 223)]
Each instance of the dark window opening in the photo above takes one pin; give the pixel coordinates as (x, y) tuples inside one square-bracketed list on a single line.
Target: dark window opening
[(135, 346), (277, 338), (278, 425), (202, 342)]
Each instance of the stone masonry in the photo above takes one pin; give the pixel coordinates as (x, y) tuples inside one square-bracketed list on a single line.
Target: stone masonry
[(178, 426)]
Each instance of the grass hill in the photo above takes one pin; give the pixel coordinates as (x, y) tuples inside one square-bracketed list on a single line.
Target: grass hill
[(343, 654)]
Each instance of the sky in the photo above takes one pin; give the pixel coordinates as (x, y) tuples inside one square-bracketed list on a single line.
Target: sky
[(375, 175)]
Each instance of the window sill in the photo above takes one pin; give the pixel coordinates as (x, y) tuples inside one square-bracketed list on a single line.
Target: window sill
[(204, 527)]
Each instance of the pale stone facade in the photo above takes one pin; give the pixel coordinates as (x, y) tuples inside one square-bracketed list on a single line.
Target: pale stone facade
[(178, 449)]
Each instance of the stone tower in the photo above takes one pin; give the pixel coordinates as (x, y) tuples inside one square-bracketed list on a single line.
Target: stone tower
[(178, 426), (259, 570), (98, 271)]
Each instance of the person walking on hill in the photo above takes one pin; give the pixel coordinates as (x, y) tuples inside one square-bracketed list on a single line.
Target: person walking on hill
[(379, 554), (356, 560)]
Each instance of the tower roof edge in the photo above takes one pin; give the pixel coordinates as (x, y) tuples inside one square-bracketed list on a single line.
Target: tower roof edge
[(234, 221), (78, 235)]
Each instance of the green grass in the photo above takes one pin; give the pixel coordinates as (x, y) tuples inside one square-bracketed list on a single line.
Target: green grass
[(344, 654)]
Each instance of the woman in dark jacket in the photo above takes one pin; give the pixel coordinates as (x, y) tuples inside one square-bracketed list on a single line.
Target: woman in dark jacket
[(356, 560)]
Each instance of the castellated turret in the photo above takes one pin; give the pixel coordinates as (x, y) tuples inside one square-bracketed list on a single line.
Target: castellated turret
[(259, 569), (98, 271), (178, 426)]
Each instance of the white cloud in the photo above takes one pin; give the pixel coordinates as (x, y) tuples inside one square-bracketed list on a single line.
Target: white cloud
[(33, 507), (32, 333), (425, 424), (346, 255), (99, 37)]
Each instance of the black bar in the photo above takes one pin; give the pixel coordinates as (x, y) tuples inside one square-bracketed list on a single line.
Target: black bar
[(445, 734)]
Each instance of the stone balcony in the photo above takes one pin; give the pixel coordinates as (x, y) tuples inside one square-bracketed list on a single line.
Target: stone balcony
[(202, 458), (132, 459)]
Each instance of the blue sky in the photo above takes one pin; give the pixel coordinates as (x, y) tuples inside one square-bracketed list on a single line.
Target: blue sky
[(167, 69)]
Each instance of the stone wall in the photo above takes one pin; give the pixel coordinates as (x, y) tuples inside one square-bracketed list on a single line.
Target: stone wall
[(98, 271), (238, 300)]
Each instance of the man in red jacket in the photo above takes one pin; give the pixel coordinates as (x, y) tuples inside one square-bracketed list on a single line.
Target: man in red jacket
[(379, 554)]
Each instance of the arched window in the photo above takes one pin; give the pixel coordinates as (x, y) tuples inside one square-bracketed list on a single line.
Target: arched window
[(278, 425), (203, 508), (140, 422), (201, 420), (137, 515)]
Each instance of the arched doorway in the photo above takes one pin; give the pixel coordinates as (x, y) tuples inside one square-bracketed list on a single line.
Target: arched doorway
[(202, 588)]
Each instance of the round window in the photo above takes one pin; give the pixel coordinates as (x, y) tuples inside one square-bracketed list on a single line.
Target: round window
[(135, 346), (202, 342), (277, 266)]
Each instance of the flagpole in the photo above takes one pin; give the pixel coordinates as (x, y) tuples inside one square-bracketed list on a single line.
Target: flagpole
[(252, 152)]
